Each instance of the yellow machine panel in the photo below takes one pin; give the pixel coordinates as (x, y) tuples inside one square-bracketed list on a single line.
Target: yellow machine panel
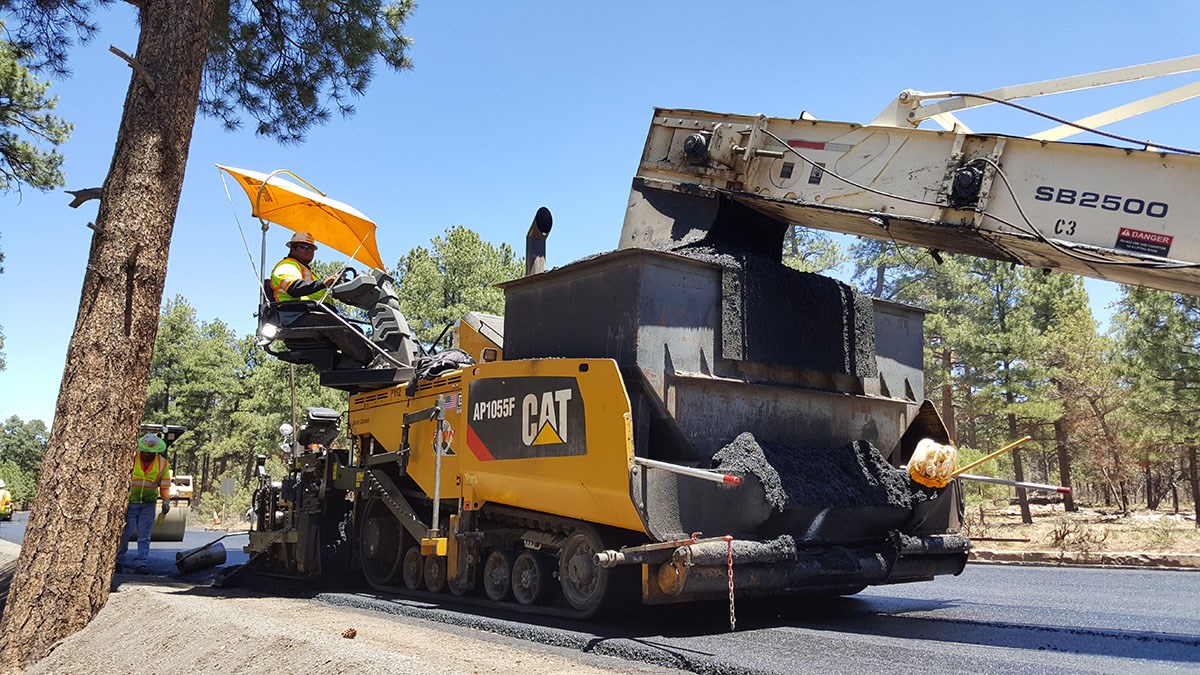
[(550, 435), (481, 336)]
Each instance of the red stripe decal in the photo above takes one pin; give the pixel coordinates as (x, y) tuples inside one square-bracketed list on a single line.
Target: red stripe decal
[(477, 447), (808, 145)]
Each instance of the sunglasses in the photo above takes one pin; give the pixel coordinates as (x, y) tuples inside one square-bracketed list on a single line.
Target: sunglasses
[(304, 247)]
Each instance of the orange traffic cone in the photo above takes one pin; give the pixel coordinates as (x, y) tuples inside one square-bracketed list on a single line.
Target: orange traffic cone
[(216, 519)]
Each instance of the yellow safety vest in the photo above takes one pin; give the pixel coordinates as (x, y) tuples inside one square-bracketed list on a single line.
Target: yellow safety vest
[(289, 270), (145, 485)]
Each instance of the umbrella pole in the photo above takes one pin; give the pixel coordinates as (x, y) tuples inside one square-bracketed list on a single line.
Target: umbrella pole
[(262, 259)]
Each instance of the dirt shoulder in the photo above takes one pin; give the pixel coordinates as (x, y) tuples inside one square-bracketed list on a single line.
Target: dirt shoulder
[(182, 628), (1182, 561), (1089, 536)]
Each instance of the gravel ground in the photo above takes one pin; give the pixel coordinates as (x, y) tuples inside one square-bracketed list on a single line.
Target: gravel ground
[(195, 630), (178, 628)]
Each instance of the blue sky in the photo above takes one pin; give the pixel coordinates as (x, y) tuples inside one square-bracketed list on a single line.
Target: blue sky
[(516, 105)]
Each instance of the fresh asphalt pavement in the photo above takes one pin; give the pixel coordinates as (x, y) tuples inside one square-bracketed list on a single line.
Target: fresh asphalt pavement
[(162, 553), (990, 619)]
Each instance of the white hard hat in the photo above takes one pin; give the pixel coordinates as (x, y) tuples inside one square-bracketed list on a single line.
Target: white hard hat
[(302, 238), (151, 443)]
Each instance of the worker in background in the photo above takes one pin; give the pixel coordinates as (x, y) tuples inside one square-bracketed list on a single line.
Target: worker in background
[(292, 278), (6, 502), (151, 482)]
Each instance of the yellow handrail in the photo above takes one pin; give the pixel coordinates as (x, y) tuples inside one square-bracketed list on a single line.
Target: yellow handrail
[(1001, 451)]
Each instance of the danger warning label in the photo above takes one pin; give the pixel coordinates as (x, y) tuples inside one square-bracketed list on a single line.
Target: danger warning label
[(1137, 241)]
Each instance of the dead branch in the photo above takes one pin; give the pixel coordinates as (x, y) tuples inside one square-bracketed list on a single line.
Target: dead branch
[(86, 194), (137, 67)]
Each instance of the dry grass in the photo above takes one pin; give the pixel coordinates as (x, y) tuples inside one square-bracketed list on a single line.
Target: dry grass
[(1088, 530)]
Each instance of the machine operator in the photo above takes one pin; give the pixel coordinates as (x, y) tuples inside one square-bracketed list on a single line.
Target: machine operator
[(292, 278)]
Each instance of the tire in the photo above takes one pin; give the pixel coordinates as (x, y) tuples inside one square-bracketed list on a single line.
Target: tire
[(531, 578), (497, 575), (435, 573), (380, 545), (413, 568), (585, 585)]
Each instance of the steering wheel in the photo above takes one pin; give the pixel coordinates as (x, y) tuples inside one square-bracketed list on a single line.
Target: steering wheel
[(348, 274)]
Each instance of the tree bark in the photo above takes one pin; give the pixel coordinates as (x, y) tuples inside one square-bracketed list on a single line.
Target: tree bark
[(948, 395), (1194, 479), (972, 440), (1153, 494), (1175, 487), (70, 544), (204, 478), (1018, 469), (1064, 463)]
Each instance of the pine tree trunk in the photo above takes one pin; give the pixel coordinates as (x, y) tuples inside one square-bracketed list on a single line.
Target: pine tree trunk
[(248, 470), (204, 478), (1064, 463), (1194, 479), (948, 395), (1153, 494), (70, 544), (1018, 470), (1175, 487), (972, 441)]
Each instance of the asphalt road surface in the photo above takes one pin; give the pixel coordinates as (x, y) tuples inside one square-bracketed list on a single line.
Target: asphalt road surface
[(991, 619), (162, 553)]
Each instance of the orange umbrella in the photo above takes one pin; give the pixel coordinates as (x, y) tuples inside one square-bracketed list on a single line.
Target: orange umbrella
[(337, 225)]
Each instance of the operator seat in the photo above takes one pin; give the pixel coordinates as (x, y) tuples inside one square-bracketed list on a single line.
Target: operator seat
[(346, 357), (310, 334)]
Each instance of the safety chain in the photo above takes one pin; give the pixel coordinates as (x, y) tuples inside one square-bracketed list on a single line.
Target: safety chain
[(732, 615)]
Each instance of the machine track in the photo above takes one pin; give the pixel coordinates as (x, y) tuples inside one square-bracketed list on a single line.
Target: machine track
[(506, 539)]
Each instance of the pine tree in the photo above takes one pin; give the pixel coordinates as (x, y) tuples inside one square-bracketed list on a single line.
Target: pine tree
[(810, 250), (1159, 337), (281, 62), (27, 125), (455, 275)]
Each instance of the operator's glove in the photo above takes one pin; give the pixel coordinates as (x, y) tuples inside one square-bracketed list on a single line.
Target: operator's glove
[(166, 507)]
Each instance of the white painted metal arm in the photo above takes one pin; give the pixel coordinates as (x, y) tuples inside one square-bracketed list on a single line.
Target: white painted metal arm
[(908, 110), (1124, 112)]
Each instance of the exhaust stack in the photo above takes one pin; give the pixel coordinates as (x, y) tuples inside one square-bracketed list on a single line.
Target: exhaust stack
[(535, 242)]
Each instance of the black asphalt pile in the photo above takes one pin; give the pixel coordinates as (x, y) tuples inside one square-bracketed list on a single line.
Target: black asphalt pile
[(744, 456), (715, 553), (774, 314), (848, 476)]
